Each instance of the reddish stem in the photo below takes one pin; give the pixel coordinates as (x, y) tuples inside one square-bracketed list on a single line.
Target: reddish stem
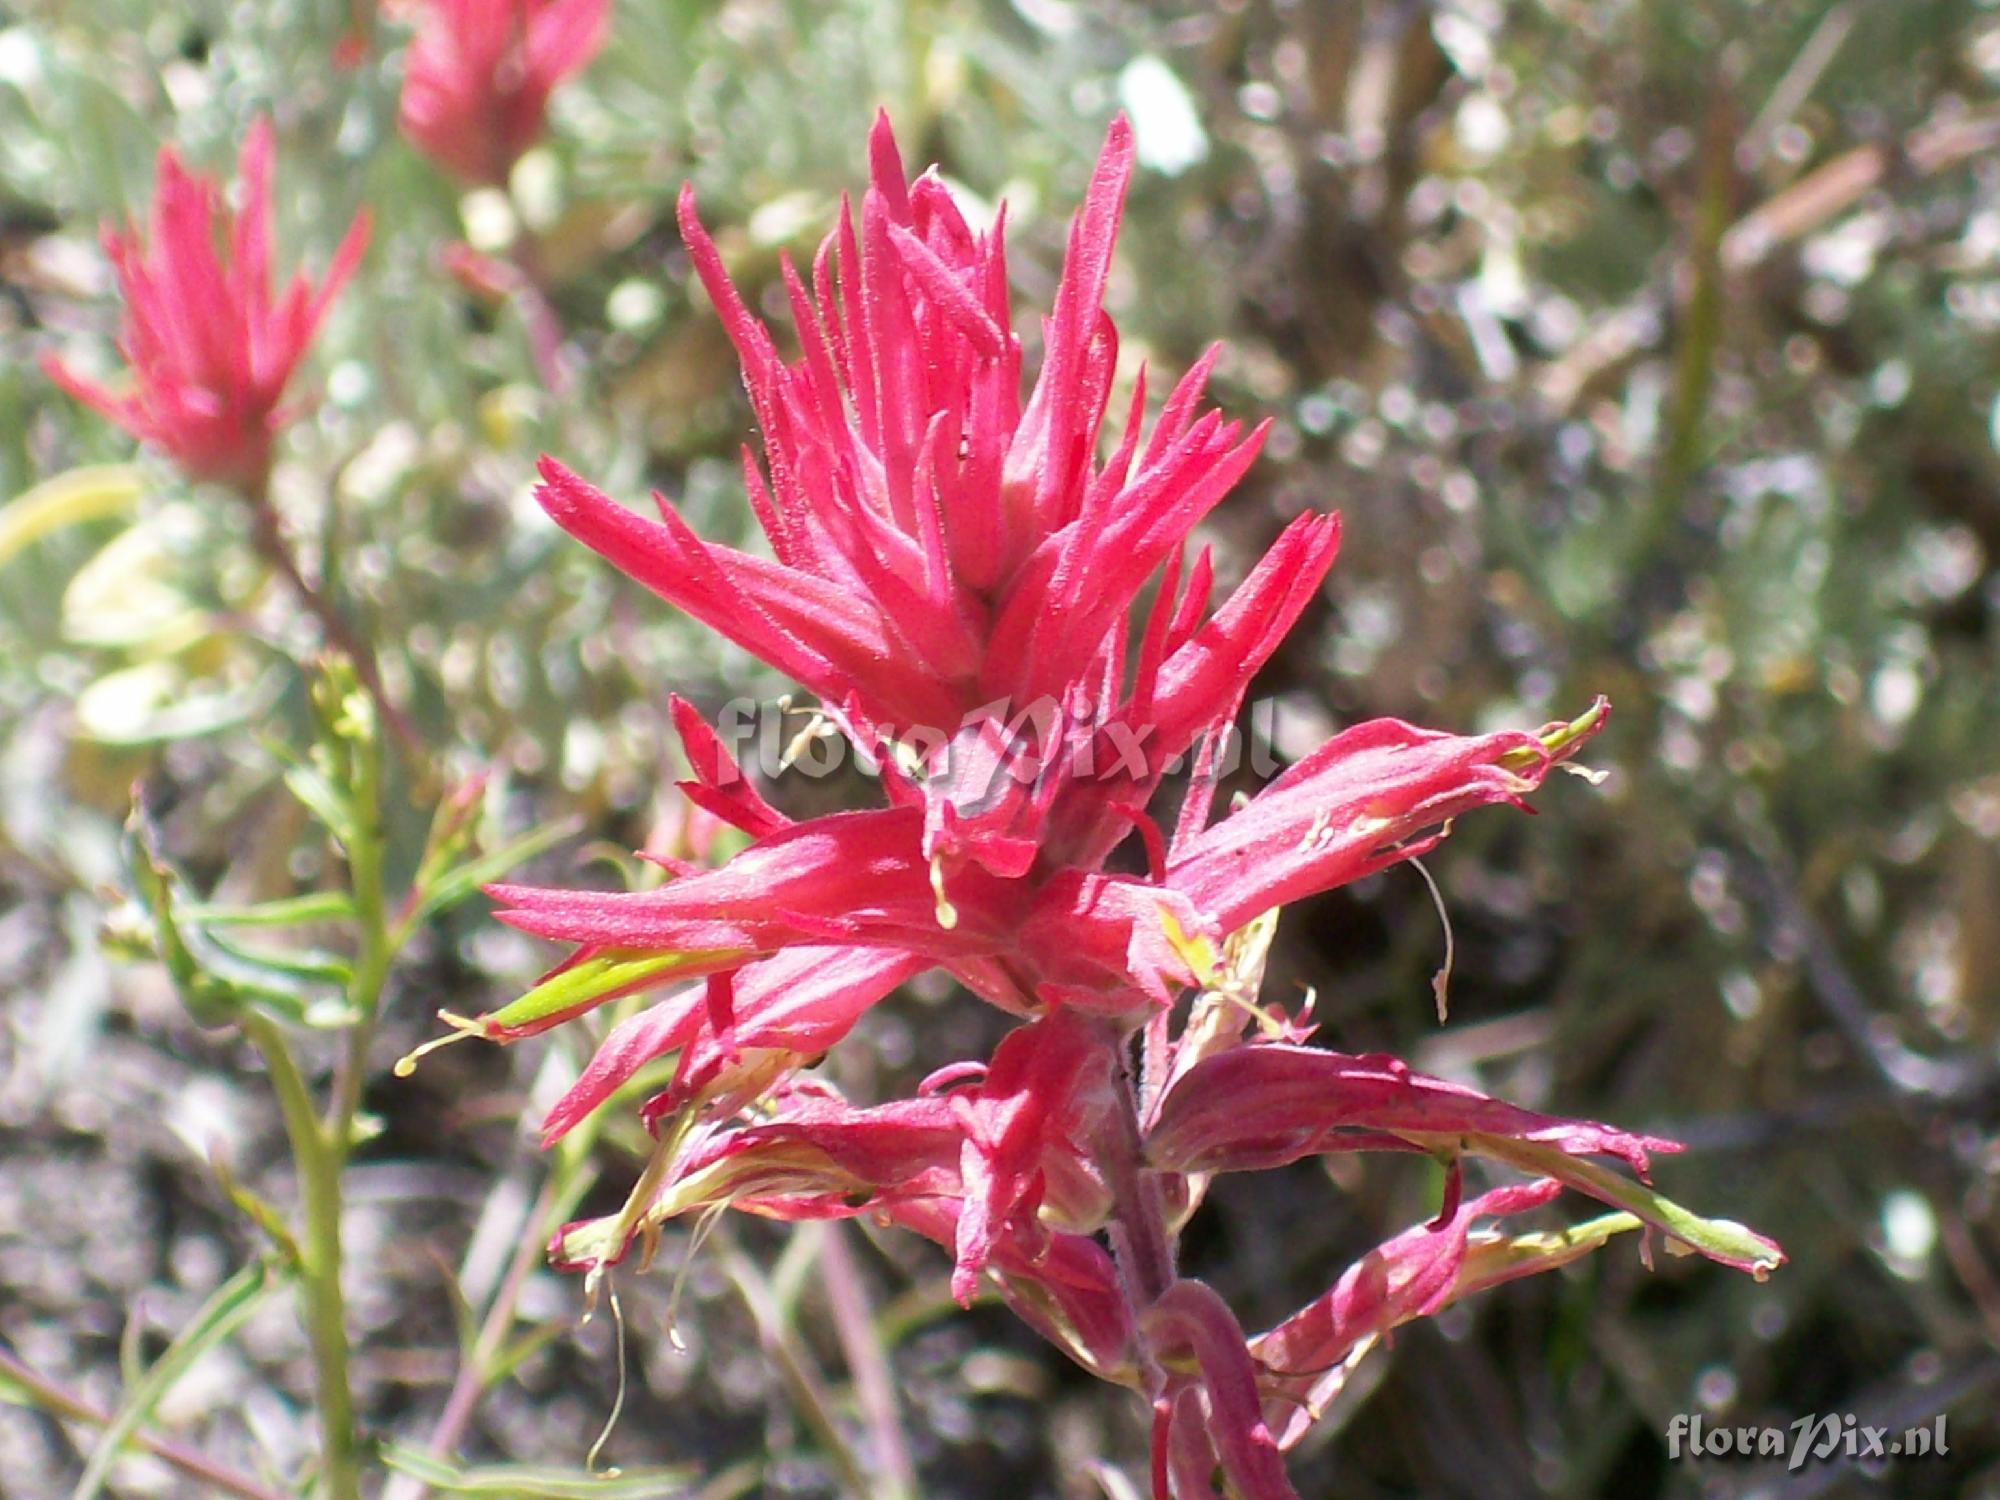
[(333, 625), (1138, 1228), (874, 1386), (539, 315), (61, 1402)]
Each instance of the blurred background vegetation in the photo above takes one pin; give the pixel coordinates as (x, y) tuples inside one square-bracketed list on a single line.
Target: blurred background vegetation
[(1647, 348)]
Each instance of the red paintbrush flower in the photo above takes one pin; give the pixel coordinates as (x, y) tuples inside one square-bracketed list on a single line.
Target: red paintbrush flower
[(210, 346), (479, 74), (1208, 1416), (1046, 933), (1011, 1146), (958, 576), (1031, 1125), (1063, 1285), (1265, 1104)]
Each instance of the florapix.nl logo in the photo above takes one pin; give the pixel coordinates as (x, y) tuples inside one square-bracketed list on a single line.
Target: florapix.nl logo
[(1816, 1438), (998, 743)]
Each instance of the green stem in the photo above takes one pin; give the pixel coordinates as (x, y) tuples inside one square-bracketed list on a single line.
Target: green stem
[(318, 1159), (377, 947), (321, 1146)]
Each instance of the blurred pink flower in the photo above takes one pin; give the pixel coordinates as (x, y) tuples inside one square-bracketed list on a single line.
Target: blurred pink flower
[(479, 74), (209, 346)]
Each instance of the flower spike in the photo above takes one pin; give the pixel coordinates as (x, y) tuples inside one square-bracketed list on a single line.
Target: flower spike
[(1012, 628)]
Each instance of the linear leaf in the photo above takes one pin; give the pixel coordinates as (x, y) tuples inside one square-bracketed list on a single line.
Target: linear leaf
[(224, 1311), (520, 1482), (87, 494), (288, 911), (454, 886)]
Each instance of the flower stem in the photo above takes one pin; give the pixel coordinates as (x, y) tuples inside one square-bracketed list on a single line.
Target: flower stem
[(321, 1145), (333, 625), (1138, 1228), (538, 314), (318, 1159)]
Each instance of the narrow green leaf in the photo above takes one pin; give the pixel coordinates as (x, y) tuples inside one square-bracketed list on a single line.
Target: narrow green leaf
[(221, 1315), (15, 1391), (131, 1342), (153, 703), (517, 1353), (318, 795), (306, 965), (69, 499), (452, 887), (213, 984), (520, 1482), (260, 1213), (289, 911), (210, 1001), (453, 826)]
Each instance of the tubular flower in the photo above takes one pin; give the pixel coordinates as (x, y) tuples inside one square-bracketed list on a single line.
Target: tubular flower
[(1302, 1361), (477, 82), (959, 578), (210, 346)]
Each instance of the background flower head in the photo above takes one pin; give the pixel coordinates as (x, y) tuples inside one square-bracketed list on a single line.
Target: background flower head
[(210, 345), (478, 76)]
